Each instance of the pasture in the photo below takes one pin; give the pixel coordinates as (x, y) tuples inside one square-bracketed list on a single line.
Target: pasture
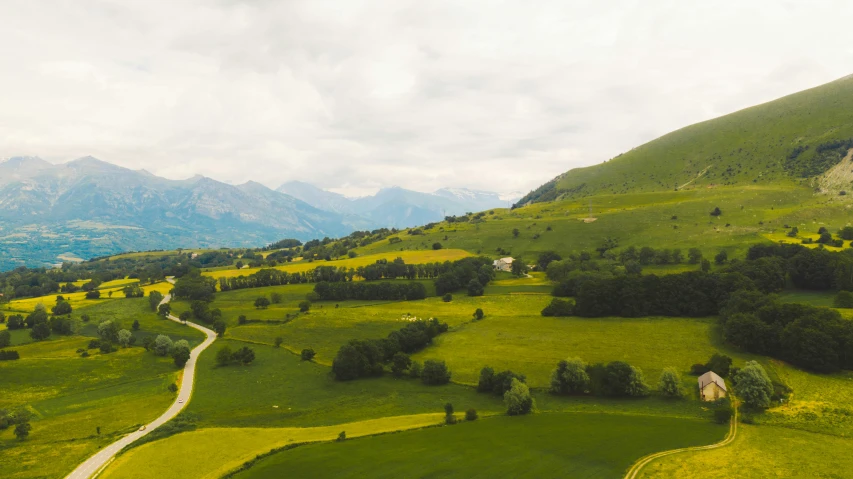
[(759, 452), (70, 396), (188, 454), (307, 395), (542, 445), (410, 257)]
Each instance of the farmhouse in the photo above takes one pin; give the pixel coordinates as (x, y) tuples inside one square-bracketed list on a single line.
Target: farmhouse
[(503, 264), (711, 386)]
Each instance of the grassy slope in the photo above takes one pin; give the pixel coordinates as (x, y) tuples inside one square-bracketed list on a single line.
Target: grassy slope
[(746, 147), (544, 445), (70, 395)]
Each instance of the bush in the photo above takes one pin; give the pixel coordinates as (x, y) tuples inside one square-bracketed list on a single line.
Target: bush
[(435, 373), (415, 370), (436, 246), (262, 303), (478, 314), (307, 354), (6, 355), (400, 363), (670, 384), (720, 364), (304, 306), (518, 400), (559, 307), (844, 299), (499, 383), (698, 369), (754, 386), (722, 415), (342, 436), (471, 415), (475, 288), (94, 294), (173, 388), (447, 298), (570, 377)]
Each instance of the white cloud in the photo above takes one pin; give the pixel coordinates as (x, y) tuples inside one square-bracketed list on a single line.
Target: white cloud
[(354, 96)]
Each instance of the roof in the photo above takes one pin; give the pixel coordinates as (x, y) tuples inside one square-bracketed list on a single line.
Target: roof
[(711, 377), (508, 259)]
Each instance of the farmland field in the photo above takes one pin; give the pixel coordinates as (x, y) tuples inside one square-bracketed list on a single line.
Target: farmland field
[(410, 257), (543, 445)]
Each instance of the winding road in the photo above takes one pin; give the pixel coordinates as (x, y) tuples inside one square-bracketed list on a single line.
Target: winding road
[(103, 457), (638, 466)]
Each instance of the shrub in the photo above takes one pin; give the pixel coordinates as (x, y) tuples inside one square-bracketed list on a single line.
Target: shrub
[(478, 314), (304, 306), (262, 303), (342, 436), (173, 388), (844, 299), (720, 364), (435, 373), (499, 383), (6, 355), (698, 369), (559, 307), (94, 294), (415, 370), (754, 386), (518, 400), (716, 211), (669, 384), (471, 415), (722, 415), (436, 246), (475, 288), (447, 298), (570, 377)]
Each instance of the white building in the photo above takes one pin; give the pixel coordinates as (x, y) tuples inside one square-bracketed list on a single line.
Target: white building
[(503, 264)]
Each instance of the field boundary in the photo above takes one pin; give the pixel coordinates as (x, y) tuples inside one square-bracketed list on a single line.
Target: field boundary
[(638, 466)]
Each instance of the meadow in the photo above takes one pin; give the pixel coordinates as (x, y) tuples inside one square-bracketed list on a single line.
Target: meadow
[(542, 445), (410, 257), (759, 452), (71, 396), (188, 454)]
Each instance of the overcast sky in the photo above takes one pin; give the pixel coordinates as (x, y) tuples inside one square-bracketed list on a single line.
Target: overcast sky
[(353, 96)]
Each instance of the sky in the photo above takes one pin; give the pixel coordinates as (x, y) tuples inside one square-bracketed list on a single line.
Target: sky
[(353, 96)]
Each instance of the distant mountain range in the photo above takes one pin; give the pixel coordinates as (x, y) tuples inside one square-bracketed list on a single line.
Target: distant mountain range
[(395, 207), (87, 208)]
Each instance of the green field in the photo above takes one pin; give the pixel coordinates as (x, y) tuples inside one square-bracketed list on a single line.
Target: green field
[(760, 452), (70, 396), (307, 395), (543, 445), (410, 257), (188, 454)]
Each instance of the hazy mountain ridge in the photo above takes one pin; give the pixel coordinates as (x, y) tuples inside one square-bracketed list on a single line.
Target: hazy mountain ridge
[(395, 206)]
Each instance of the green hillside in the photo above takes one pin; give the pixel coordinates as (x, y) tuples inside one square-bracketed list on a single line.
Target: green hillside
[(772, 143)]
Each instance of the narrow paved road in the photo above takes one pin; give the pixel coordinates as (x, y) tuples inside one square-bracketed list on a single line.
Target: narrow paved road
[(638, 466), (105, 455)]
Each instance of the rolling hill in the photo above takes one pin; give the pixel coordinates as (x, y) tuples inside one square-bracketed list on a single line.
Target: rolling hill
[(791, 140)]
